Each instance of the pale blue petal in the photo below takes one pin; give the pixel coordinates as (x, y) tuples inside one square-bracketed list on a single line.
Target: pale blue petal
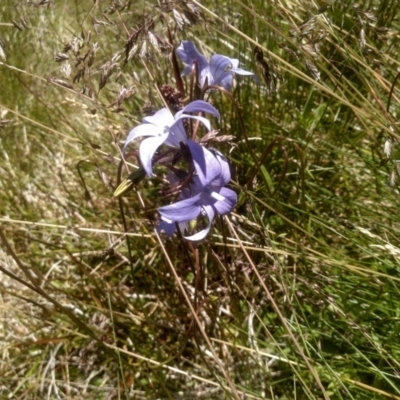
[(188, 53), (226, 206), (234, 63), (141, 130), (168, 228), (196, 186), (183, 226), (161, 118), (241, 71), (177, 134), (203, 233), (187, 70), (225, 175), (210, 212), (200, 106), (199, 236), (207, 166), (235, 68), (226, 81), (219, 67), (206, 77), (223, 68), (182, 211), (205, 121), (147, 149)]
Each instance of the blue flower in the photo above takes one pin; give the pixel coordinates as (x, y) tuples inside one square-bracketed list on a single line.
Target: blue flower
[(205, 195), (219, 71), (164, 128)]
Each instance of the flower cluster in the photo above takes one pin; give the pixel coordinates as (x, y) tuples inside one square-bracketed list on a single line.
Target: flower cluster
[(219, 71), (199, 190)]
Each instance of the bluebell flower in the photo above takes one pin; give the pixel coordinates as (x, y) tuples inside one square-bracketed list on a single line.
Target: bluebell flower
[(219, 71), (205, 195), (164, 128)]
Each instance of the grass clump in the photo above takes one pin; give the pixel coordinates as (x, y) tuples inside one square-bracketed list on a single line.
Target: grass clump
[(292, 296)]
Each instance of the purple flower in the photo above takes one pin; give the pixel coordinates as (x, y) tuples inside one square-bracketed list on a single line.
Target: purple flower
[(205, 195), (219, 71), (164, 128)]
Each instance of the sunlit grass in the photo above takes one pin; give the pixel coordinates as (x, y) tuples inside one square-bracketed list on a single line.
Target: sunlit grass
[(298, 292)]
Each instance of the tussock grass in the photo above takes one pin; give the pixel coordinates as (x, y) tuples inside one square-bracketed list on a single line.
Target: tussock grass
[(293, 296)]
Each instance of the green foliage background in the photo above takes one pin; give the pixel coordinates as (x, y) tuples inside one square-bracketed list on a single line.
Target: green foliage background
[(298, 293)]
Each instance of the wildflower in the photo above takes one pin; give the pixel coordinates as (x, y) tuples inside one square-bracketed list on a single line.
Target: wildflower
[(205, 195), (164, 128), (219, 71)]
